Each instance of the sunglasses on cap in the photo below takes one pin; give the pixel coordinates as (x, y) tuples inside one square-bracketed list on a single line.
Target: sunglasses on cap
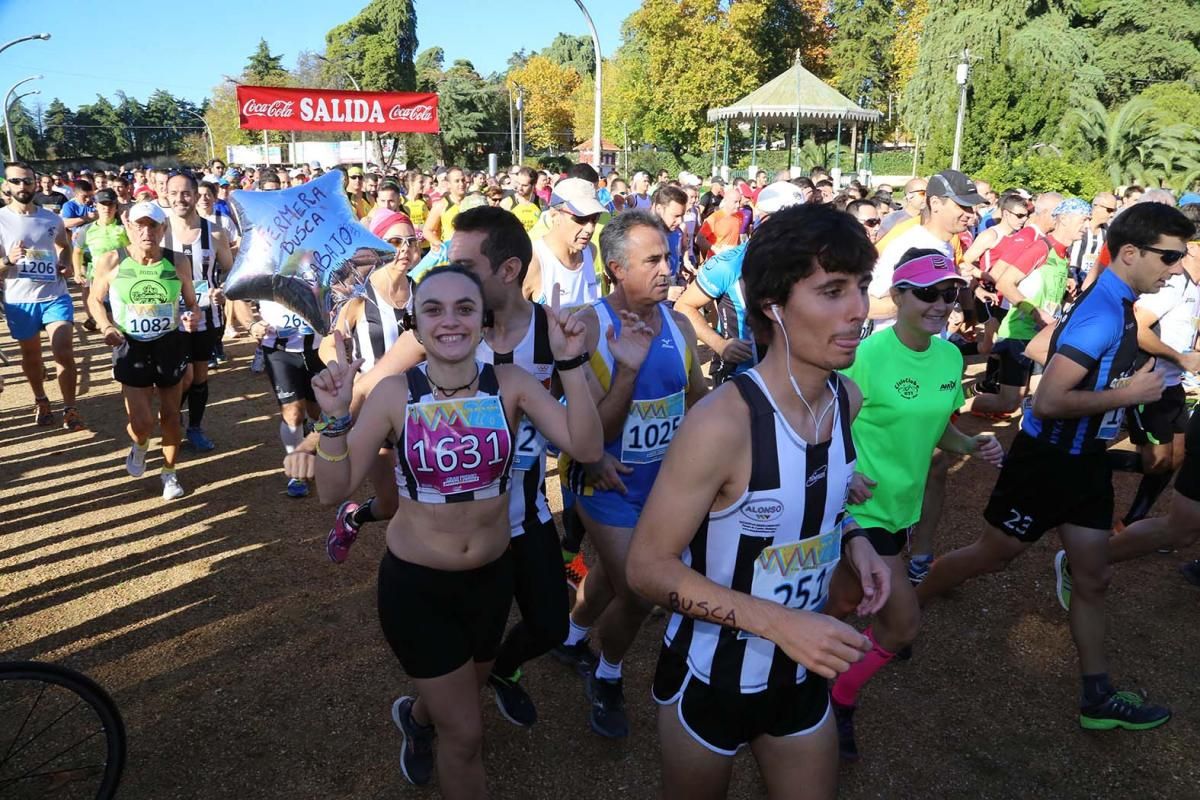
[(1168, 257), (930, 294)]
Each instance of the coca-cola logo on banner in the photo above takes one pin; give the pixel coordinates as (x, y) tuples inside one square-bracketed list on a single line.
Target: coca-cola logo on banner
[(279, 108), (413, 113)]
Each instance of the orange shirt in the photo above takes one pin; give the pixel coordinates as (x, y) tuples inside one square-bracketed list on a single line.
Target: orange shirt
[(722, 229)]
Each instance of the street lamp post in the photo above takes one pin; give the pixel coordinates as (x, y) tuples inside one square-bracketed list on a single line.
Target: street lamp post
[(962, 75), (212, 148), (42, 36), (597, 148), (357, 88), (12, 147)]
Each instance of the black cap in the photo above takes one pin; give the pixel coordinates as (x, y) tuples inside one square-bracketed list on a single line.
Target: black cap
[(958, 187), (105, 196)]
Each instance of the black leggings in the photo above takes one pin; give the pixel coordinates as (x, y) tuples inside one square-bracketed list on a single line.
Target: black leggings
[(540, 589)]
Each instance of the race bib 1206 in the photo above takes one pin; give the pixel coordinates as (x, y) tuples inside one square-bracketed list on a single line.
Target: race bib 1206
[(38, 265)]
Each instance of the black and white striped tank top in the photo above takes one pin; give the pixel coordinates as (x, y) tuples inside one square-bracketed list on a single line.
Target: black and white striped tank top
[(377, 329), (205, 272), (781, 541), (527, 500), (457, 449)]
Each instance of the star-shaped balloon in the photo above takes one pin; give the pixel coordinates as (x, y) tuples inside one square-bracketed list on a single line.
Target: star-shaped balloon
[(303, 248)]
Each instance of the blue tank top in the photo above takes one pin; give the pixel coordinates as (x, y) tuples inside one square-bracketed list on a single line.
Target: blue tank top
[(657, 406)]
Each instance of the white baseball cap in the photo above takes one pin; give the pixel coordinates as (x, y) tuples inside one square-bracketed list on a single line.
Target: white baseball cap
[(777, 196), (151, 211), (578, 196)]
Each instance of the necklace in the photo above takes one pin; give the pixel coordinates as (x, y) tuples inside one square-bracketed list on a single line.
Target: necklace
[(456, 390)]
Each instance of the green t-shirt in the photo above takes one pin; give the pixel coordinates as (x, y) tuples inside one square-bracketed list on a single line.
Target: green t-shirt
[(100, 239), (1044, 288), (145, 299), (908, 398)]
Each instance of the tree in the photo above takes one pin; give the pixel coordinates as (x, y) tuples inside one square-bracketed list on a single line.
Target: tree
[(664, 89), (428, 68), (131, 113), (862, 50), (1174, 103), (25, 138), (910, 16), (1029, 64), (463, 108), (262, 64), (61, 136), (102, 132), (789, 26), (377, 46), (1135, 41), (547, 90), (575, 52), (1131, 143)]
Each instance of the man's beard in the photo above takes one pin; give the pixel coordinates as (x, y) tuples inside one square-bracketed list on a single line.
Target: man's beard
[(23, 196)]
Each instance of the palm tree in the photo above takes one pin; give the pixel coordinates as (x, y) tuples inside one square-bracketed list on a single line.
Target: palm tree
[(1134, 147)]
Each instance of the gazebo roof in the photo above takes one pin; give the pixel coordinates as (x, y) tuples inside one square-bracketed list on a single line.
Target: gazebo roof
[(796, 92)]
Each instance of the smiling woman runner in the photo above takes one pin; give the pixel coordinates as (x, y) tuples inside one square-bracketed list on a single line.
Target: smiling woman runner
[(911, 381), (453, 420)]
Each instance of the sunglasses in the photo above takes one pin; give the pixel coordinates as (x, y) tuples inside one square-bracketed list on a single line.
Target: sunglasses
[(1020, 214), (872, 222), (930, 294), (1168, 257), (585, 219), (1106, 208), (400, 242), (22, 181)]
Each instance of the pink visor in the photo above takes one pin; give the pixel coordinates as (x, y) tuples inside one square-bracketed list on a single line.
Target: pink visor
[(926, 271)]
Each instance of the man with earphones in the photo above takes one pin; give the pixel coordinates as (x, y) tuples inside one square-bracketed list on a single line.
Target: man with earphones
[(746, 525)]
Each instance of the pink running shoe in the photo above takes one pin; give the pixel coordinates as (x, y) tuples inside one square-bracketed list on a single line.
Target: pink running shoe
[(342, 534)]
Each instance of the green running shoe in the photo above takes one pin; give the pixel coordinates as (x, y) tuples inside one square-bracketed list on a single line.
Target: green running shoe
[(1062, 579), (1128, 710)]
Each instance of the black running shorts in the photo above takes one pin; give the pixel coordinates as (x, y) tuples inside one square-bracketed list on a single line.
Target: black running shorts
[(1041, 487), (158, 362), (1187, 483), (202, 345), (888, 543), (1158, 422), (291, 374), (436, 621), (724, 722)]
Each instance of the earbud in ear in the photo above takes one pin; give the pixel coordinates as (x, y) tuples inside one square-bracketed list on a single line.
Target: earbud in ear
[(775, 311)]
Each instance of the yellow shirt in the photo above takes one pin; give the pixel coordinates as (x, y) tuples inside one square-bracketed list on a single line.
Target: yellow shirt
[(528, 213)]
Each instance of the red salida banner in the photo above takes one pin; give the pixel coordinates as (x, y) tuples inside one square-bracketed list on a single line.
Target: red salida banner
[(275, 109)]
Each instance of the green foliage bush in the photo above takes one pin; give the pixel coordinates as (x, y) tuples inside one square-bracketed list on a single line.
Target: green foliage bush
[(1045, 173)]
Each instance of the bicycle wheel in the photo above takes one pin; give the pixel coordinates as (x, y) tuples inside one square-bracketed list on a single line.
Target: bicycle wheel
[(61, 735)]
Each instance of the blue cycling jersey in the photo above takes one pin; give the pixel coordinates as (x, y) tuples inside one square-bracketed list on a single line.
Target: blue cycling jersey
[(1099, 333)]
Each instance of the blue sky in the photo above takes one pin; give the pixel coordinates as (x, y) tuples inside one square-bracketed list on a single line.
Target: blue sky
[(98, 47)]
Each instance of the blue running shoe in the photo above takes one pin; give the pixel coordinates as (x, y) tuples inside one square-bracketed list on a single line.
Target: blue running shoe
[(297, 488), (198, 440)]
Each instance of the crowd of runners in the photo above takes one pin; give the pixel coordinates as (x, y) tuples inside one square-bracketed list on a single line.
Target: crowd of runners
[(748, 392)]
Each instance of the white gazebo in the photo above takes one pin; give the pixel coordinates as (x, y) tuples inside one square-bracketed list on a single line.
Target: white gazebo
[(795, 98)]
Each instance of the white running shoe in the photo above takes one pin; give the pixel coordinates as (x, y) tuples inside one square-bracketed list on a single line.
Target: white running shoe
[(135, 462), (171, 488)]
